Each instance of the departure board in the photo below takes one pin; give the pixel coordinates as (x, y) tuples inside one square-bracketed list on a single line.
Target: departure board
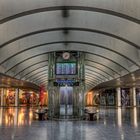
[(66, 68)]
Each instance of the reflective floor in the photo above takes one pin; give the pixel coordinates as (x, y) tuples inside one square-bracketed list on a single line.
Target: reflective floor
[(113, 124)]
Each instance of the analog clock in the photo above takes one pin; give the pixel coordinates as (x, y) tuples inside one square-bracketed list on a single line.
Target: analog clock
[(66, 55)]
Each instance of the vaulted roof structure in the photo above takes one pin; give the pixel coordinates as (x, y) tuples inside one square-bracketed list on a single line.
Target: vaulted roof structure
[(108, 31)]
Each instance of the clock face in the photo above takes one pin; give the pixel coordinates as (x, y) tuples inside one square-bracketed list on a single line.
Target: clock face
[(66, 55)]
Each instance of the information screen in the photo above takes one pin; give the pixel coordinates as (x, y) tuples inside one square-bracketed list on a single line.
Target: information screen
[(66, 68)]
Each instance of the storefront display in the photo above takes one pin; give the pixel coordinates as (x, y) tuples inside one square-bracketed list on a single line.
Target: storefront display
[(138, 97), (103, 99), (89, 99), (0, 96), (111, 99), (108, 97), (10, 97), (28, 98), (125, 97)]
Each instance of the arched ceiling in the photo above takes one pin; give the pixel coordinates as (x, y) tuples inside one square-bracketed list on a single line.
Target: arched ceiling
[(107, 31)]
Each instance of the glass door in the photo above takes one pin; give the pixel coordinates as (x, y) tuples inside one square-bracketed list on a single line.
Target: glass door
[(66, 108)]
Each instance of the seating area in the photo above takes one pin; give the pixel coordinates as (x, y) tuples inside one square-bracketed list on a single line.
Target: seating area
[(41, 114), (91, 113)]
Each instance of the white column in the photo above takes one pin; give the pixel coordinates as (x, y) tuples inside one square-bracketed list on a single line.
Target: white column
[(2, 97), (118, 97), (17, 97), (134, 96)]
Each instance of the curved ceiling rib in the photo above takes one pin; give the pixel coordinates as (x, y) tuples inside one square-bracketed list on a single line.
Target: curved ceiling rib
[(28, 67), (26, 59), (43, 74), (38, 69), (94, 75), (31, 57), (43, 81), (40, 73), (76, 42), (91, 9), (40, 78), (16, 66), (70, 29), (45, 71), (94, 62), (24, 75), (90, 81), (101, 70), (87, 68), (30, 32), (36, 73)]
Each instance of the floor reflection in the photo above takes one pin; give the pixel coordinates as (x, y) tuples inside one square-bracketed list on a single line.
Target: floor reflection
[(119, 117), (115, 124), (15, 116), (134, 117)]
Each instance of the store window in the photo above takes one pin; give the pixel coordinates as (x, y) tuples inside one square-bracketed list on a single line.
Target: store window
[(28, 98), (138, 97), (9, 97), (103, 99), (0, 97), (108, 97), (125, 97)]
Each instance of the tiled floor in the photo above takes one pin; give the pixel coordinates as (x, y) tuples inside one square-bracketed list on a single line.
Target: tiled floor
[(113, 124)]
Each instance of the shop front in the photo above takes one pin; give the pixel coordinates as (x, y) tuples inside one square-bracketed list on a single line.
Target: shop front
[(125, 97), (138, 96), (9, 97), (108, 97)]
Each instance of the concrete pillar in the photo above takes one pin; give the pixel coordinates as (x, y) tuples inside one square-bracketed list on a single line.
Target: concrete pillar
[(2, 97), (17, 97), (134, 96), (118, 97)]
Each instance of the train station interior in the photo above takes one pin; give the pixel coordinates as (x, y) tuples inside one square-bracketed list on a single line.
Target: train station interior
[(69, 69)]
